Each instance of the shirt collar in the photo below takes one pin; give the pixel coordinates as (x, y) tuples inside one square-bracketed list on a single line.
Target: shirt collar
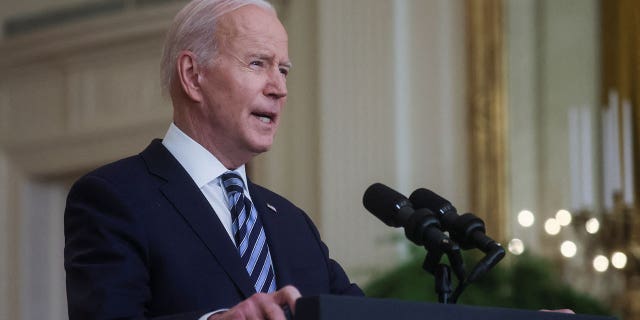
[(200, 164)]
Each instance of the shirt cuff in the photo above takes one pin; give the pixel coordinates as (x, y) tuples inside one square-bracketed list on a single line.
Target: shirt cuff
[(206, 316)]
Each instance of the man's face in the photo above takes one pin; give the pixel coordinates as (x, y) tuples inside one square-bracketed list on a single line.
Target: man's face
[(244, 88)]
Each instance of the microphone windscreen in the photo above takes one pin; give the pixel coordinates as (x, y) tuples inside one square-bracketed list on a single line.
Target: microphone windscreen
[(425, 198), (385, 203)]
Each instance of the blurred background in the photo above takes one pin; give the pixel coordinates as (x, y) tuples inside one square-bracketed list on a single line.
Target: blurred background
[(524, 112)]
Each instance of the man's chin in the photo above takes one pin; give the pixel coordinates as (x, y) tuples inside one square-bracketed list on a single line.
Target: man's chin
[(259, 143), (259, 148)]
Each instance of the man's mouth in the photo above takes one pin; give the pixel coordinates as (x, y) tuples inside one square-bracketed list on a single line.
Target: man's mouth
[(264, 117)]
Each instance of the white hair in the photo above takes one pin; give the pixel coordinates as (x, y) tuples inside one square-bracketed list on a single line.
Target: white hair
[(193, 29)]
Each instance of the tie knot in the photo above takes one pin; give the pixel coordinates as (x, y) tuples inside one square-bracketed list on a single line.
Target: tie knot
[(232, 182)]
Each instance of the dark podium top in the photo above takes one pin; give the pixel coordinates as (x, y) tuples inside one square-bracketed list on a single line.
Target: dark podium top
[(328, 307)]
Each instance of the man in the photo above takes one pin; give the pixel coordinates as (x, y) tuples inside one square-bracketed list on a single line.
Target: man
[(178, 230)]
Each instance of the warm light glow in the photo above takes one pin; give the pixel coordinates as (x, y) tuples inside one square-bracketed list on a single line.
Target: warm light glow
[(526, 218), (552, 227), (618, 260), (568, 249), (563, 217), (516, 246), (601, 263), (592, 226)]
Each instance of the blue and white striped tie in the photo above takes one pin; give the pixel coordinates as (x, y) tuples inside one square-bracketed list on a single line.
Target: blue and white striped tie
[(249, 234)]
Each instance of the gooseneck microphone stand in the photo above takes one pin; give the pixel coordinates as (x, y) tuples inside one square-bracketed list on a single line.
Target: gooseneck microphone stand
[(442, 272)]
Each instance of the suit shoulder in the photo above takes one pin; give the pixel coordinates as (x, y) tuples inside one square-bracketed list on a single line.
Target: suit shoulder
[(127, 168)]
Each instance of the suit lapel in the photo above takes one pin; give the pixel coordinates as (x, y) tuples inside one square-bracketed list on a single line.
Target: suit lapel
[(189, 202), (271, 221)]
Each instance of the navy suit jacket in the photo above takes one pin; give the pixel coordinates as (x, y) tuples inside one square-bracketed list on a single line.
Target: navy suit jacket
[(141, 241)]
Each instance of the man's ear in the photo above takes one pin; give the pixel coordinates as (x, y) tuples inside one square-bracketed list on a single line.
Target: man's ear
[(188, 74)]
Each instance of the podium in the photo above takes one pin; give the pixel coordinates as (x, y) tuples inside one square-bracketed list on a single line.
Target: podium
[(327, 307)]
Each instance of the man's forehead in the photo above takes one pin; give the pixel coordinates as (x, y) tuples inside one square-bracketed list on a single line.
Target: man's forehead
[(253, 31), (252, 21)]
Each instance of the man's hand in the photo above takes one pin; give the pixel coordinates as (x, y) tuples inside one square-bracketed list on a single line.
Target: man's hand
[(262, 306)]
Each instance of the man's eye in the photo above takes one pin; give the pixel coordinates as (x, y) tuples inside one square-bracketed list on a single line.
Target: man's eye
[(257, 63), (284, 71)]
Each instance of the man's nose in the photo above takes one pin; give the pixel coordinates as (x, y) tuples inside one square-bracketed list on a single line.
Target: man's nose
[(276, 87)]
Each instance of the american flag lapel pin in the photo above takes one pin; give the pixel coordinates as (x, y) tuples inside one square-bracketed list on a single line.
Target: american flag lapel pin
[(270, 206)]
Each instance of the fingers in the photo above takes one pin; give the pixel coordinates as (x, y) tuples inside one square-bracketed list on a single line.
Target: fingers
[(287, 296), (559, 311), (258, 306), (262, 306)]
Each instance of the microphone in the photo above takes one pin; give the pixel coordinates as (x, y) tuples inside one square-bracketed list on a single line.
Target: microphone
[(395, 210), (388, 205), (467, 229)]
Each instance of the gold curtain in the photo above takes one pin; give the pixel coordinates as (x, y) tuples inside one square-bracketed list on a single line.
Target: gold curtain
[(621, 62), (620, 40), (487, 110)]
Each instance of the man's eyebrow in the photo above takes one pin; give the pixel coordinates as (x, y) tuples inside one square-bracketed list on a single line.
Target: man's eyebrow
[(270, 57)]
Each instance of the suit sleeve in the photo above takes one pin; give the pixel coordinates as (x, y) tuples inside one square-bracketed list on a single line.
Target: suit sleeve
[(104, 254), (339, 281), (107, 271)]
